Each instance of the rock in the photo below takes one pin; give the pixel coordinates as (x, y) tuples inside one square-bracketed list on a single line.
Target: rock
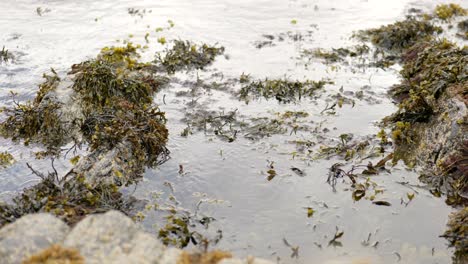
[(113, 238), (249, 260), (28, 235), (171, 256)]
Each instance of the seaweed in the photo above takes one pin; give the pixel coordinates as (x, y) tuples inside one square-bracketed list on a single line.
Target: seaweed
[(187, 55), (35, 123), (336, 54), (212, 257), (463, 29), (447, 11), (69, 197), (180, 229), (5, 55), (283, 90), (6, 159), (143, 129), (400, 35), (457, 235), (56, 254), (429, 68), (111, 113)]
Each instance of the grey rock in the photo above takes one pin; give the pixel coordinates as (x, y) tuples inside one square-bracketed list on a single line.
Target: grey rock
[(171, 256), (113, 238), (28, 235)]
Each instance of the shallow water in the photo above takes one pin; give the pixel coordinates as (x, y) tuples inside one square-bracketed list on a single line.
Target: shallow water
[(254, 214)]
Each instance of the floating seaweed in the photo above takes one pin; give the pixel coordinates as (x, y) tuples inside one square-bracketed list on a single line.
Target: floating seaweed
[(187, 55), (283, 90), (5, 56)]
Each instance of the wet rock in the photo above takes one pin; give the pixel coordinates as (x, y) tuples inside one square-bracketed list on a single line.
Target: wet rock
[(113, 238), (28, 235)]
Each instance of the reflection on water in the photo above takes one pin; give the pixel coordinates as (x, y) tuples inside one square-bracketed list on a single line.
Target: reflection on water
[(255, 214)]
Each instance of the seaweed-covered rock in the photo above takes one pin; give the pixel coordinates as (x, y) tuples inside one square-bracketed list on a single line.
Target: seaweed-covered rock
[(400, 35), (112, 237), (28, 235), (457, 235), (430, 127), (105, 104)]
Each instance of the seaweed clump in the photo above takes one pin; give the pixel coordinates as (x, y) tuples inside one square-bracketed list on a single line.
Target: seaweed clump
[(70, 198), (56, 254), (457, 235), (463, 29), (6, 159), (400, 35), (283, 90), (447, 11), (186, 55), (429, 68), (37, 121), (105, 104), (212, 257), (337, 54), (5, 55)]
